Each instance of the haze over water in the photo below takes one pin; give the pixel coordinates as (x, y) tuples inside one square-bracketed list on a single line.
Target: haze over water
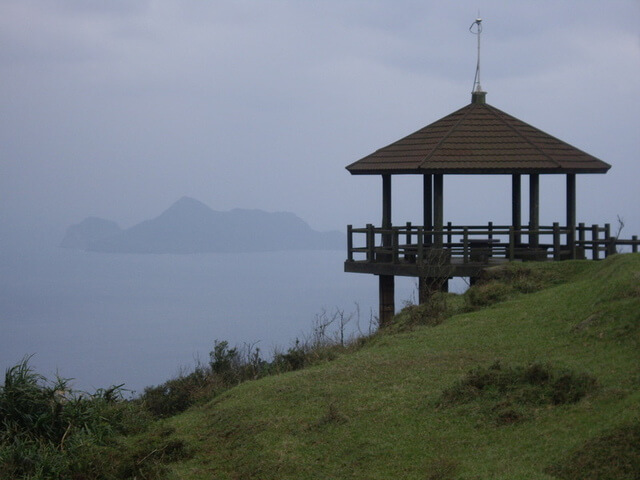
[(108, 319)]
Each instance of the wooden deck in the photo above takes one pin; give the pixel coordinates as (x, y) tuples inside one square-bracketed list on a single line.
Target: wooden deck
[(464, 251)]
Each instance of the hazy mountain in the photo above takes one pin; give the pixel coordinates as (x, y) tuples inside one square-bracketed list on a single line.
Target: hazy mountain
[(91, 229), (189, 226)]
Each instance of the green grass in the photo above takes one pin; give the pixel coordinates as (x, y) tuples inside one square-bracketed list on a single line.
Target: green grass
[(378, 413)]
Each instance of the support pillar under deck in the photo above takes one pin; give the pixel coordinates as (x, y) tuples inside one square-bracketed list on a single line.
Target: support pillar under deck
[(387, 299)]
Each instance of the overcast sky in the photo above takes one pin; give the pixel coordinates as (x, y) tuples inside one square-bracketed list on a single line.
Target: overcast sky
[(118, 108)]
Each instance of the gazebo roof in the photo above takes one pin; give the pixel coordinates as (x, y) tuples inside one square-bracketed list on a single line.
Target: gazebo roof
[(478, 139)]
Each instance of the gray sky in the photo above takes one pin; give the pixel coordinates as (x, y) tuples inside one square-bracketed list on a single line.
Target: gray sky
[(118, 108)]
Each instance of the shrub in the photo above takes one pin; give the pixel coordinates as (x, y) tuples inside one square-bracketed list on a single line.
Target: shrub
[(485, 294), (297, 357), (177, 394), (225, 362), (431, 313), (504, 388), (499, 283)]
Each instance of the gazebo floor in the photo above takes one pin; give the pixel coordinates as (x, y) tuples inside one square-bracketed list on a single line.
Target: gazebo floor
[(456, 267)]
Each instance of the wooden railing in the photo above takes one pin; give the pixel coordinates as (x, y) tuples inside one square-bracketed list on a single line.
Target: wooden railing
[(479, 243)]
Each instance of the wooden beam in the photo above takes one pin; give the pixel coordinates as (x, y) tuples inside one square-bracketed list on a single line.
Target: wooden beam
[(534, 208)]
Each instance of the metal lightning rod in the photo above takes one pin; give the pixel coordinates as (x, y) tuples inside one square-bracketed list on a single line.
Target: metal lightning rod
[(476, 81)]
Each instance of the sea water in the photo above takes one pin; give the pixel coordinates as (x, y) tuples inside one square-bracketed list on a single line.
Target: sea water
[(138, 320)]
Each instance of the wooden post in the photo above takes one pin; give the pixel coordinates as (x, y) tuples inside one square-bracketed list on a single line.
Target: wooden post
[(516, 204), (350, 243), (556, 241), (423, 290), (465, 245), (420, 255), (595, 243), (610, 245), (386, 209), (634, 246), (512, 241), (427, 205), (581, 237), (438, 208), (571, 212), (386, 282), (387, 300), (395, 246), (534, 209), (370, 243)]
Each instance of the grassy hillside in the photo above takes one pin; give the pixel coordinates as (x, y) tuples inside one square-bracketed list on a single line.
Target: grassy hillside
[(539, 386), (534, 373)]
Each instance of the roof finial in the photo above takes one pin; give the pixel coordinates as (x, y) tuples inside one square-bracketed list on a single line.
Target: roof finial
[(477, 94)]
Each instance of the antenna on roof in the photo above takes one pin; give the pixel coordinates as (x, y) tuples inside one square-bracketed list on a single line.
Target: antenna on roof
[(477, 94)]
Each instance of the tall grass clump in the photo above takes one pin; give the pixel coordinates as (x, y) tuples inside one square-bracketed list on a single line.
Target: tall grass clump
[(46, 429)]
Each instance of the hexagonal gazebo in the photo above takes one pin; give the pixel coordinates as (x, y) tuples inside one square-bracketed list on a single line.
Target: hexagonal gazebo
[(477, 139)]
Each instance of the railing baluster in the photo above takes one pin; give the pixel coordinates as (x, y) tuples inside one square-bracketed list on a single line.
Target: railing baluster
[(512, 243), (370, 243), (595, 243), (420, 247), (465, 245), (395, 245), (610, 245), (350, 243)]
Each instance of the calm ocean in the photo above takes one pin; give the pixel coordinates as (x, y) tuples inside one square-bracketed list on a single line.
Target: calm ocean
[(106, 319)]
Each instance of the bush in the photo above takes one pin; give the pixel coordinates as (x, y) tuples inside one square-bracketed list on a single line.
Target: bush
[(505, 390), (296, 358), (176, 395), (485, 294), (431, 313), (499, 283)]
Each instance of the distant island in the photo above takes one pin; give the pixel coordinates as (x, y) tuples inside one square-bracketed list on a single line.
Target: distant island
[(190, 226)]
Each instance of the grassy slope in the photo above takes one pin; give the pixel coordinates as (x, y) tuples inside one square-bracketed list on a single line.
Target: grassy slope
[(374, 413)]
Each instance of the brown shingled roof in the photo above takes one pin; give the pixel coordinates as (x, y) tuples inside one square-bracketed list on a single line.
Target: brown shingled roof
[(478, 139)]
